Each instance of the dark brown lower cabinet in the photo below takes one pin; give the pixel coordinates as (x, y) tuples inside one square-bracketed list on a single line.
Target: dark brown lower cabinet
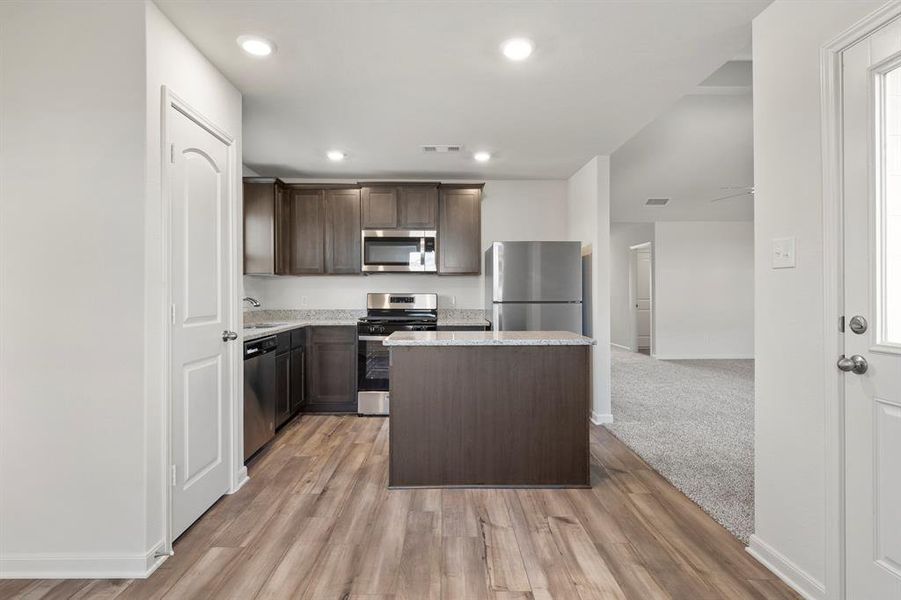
[(282, 388), (332, 369), (298, 379)]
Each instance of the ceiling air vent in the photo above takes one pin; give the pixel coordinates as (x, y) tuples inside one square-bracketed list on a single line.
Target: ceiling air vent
[(656, 202), (441, 148)]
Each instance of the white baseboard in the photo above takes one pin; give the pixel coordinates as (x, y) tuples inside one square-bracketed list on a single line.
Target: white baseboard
[(241, 478), (621, 347), (601, 418), (786, 570), (705, 357), (80, 566)]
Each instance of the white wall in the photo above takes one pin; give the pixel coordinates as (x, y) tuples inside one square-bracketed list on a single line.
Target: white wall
[(704, 290), (790, 429), (173, 61), (622, 237), (72, 105), (80, 401), (511, 210), (588, 221)]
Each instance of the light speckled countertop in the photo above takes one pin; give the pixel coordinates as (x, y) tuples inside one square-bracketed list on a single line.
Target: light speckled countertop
[(487, 338), (286, 320)]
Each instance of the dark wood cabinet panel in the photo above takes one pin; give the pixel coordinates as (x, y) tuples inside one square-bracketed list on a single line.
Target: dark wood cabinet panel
[(282, 388), (265, 235), (460, 230), (342, 231), (417, 207), (379, 207), (298, 380), (306, 208), (331, 369)]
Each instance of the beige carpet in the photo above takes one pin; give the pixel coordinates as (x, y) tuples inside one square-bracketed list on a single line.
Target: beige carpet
[(692, 421)]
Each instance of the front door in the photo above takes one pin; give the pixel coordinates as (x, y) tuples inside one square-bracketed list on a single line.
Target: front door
[(200, 369), (872, 306)]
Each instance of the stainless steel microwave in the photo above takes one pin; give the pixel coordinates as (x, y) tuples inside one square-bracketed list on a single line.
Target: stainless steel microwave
[(398, 251)]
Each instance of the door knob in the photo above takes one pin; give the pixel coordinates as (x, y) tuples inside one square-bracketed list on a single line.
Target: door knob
[(228, 336), (856, 364)]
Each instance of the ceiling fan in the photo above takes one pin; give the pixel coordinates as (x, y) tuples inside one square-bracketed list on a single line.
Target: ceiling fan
[(736, 192)]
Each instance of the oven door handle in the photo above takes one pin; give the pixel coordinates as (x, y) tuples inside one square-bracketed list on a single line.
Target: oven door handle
[(372, 338)]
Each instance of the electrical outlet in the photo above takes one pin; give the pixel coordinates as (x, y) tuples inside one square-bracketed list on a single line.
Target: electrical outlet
[(303, 301), (453, 301)]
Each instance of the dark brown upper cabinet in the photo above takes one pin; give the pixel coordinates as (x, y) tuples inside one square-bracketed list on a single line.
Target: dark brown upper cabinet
[(460, 230), (342, 231), (379, 205), (305, 212), (417, 207), (265, 242)]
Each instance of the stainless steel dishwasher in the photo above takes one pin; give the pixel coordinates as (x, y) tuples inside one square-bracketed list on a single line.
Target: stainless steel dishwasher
[(259, 393)]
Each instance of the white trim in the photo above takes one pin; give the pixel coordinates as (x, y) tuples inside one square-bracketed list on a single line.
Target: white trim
[(706, 357), (786, 570), (235, 447), (833, 343), (601, 418), (621, 347), (241, 478), (81, 566)]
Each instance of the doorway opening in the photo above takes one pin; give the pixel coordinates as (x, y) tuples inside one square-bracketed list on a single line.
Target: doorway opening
[(641, 297)]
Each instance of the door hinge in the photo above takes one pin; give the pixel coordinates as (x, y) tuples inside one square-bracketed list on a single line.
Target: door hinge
[(172, 475), (172, 313), (841, 324), (172, 153)]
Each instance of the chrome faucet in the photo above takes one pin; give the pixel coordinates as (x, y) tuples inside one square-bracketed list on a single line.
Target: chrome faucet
[(253, 301)]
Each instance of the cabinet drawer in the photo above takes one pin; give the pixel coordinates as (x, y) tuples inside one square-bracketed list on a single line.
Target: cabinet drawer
[(298, 337), (284, 342), (334, 333)]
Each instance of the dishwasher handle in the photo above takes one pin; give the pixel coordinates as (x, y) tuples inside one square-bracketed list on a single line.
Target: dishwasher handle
[(260, 347)]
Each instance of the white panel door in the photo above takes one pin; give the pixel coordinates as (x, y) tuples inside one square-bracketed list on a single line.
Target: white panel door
[(872, 283), (643, 296), (200, 369)]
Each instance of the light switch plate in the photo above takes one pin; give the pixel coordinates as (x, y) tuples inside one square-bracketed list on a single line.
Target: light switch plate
[(783, 253)]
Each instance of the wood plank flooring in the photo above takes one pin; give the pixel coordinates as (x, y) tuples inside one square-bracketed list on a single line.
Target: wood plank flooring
[(317, 521)]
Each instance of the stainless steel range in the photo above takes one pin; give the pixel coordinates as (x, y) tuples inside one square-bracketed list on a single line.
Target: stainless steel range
[(385, 314)]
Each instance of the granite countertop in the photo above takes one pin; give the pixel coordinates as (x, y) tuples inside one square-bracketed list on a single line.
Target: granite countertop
[(286, 320), (487, 338)]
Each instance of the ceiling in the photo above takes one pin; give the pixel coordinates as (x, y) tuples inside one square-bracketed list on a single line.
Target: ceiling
[(380, 79), (692, 153)]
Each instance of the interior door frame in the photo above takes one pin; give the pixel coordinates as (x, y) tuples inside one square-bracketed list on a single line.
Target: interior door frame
[(633, 296), (833, 283), (234, 442)]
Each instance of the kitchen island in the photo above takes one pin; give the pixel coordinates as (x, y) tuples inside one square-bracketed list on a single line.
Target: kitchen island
[(489, 409)]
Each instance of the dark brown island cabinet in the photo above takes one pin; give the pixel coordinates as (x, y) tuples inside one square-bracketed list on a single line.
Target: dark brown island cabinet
[(316, 229), (489, 415)]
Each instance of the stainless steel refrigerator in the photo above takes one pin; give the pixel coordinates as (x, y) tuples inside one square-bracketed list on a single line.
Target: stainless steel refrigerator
[(534, 286)]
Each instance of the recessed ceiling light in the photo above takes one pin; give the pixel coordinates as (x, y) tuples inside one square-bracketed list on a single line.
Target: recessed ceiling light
[(335, 155), (482, 156), (256, 45), (517, 48)]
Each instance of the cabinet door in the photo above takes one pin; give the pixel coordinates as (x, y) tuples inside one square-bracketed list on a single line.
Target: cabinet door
[(282, 388), (418, 207), (259, 231), (298, 379), (332, 370), (342, 235), (460, 231), (379, 207), (283, 228), (307, 244)]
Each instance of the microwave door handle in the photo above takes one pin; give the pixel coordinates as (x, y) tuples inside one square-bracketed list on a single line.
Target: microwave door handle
[(422, 251)]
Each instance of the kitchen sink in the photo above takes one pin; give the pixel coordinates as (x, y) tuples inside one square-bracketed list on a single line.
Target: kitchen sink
[(262, 325)]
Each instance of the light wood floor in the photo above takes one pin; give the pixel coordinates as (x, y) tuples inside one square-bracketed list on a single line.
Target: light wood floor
[(316, 520)]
